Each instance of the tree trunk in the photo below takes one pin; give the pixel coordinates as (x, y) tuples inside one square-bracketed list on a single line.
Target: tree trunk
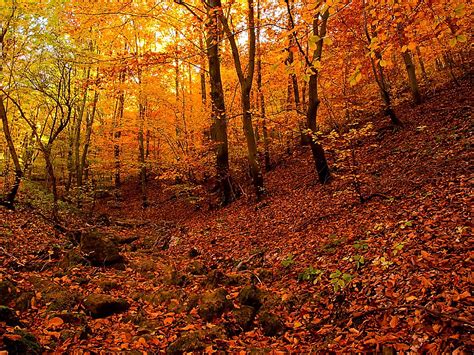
[(379, 75), (77, 135), (422, 65), (255, 171), (202, 73), (219, 119), (319, 156), (261, 97), (141, 149), (9, 199), (118, 117), (87, 139), (245, 81), (410, 68), (46, 150)]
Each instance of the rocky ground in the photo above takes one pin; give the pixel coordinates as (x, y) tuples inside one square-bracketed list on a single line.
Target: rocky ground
[(379, 260)]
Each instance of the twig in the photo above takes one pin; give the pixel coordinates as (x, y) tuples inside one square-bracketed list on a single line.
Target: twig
[(243, 262), (12, 256)]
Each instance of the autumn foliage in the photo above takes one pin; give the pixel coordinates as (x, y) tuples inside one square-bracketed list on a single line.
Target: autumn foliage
[(300, 166)]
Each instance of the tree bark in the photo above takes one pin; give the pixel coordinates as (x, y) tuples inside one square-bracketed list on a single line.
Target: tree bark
[(413, 81), (245, 81), (219, 118), (9, 199), (261, 97)]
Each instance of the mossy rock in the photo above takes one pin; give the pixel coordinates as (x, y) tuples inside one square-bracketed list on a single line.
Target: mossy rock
[(176, 278), (271, 324), (164, 296), (108, 285), (8, 292), (189, 342), (100, 306), (72, 259), (21, 342), (8, 316), (145, 265), (251, 296), (236, 279), (100, 250), (197, 268), (244, 317), (215, 278), (23, 302), (214, 304), (61, 299)]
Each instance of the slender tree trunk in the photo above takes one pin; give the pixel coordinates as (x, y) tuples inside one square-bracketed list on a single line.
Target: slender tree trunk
[(261, 97), (118, 117), (202, 72), (410, 68), (87, 139), (379, 75), (77, 136), (46, 150), (319, 156), (422, 65), (9, 199), (219, 119), (245, 81), (141, 144)]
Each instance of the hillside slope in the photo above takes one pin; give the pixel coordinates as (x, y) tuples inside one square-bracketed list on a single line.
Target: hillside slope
[(330, 272)]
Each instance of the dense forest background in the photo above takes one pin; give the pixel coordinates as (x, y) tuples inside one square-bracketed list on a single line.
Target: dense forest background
[(97, 93)]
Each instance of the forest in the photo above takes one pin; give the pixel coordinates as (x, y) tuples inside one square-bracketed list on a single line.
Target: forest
[(242, 176)]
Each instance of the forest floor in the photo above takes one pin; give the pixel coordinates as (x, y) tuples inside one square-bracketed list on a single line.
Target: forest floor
[(309, 268)]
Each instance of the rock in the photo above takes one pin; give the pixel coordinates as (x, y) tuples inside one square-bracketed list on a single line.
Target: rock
[(8, 316), (197, 268), (215, 278), (236, 279), (213, 304), (176, 278), (8, 292), (271, 324), (99, 250), (108, 285), (251, 296), (244, 316), (100, 306), (186, 343), (145, 265), (71, 259), (21, 342), (193, 252), (61, 299), (23, 302)]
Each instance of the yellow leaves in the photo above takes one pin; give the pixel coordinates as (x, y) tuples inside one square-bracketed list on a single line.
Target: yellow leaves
[(327, 41), (297, 324), (459, 10), (411, 298), (460, 38), (355, 77), (312, 40), (410, 46)]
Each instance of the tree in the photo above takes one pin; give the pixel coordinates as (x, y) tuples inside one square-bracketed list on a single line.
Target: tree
[(319, 31), (245, 82)]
